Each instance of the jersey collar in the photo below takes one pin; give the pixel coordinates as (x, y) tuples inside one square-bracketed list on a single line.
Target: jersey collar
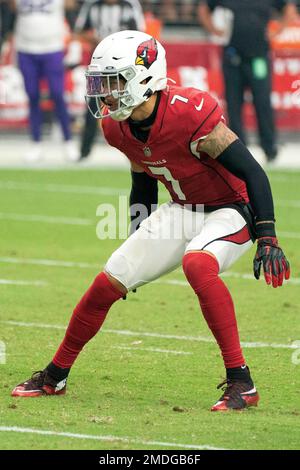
[(156, 126)]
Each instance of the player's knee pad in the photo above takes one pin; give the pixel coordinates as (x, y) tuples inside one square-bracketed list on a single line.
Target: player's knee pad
[(120, 267), (201, 269)]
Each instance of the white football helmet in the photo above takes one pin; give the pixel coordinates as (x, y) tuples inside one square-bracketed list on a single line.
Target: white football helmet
[(129, 66)]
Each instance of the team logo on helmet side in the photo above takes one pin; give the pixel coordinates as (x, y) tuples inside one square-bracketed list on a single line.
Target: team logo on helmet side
[(146, 53)]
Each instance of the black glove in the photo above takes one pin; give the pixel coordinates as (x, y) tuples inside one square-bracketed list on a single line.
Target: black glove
[(275, 265)]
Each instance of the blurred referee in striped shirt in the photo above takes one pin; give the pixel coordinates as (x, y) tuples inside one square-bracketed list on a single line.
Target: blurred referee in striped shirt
[(96, 20)]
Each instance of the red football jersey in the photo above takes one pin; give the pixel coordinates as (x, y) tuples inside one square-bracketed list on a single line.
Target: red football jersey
[(171, 153)]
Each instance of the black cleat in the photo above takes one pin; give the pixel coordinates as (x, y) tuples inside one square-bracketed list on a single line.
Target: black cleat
[(237, 395), (40, 384)]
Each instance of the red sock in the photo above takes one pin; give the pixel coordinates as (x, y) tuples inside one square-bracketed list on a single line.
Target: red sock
[(201, 270), (86, 320)]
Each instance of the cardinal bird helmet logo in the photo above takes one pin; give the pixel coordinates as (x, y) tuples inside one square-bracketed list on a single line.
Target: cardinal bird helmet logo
[(146, 53)]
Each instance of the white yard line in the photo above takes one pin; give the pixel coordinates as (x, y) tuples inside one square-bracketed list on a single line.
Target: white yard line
[(230, 274), (63, 220), (46, 218), (165, 351), (294, 280), (33, 325), (128, 440), (49, 262), (201, 339), (293, 203), (63, 188), (101, 190), (23, 283), (295, 235), (78, 264)]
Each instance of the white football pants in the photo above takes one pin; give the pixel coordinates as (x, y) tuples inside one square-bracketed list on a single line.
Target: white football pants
[(158, 246)]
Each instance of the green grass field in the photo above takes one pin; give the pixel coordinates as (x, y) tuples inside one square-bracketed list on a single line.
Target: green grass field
[(154, 385)]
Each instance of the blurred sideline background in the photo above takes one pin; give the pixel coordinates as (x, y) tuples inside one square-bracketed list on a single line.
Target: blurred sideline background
[(193, 60)]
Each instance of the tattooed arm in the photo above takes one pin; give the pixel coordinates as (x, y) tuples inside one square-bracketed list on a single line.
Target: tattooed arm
[(218, 140)]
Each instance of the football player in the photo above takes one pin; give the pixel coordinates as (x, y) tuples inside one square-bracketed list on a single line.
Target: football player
[(220, 202)]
